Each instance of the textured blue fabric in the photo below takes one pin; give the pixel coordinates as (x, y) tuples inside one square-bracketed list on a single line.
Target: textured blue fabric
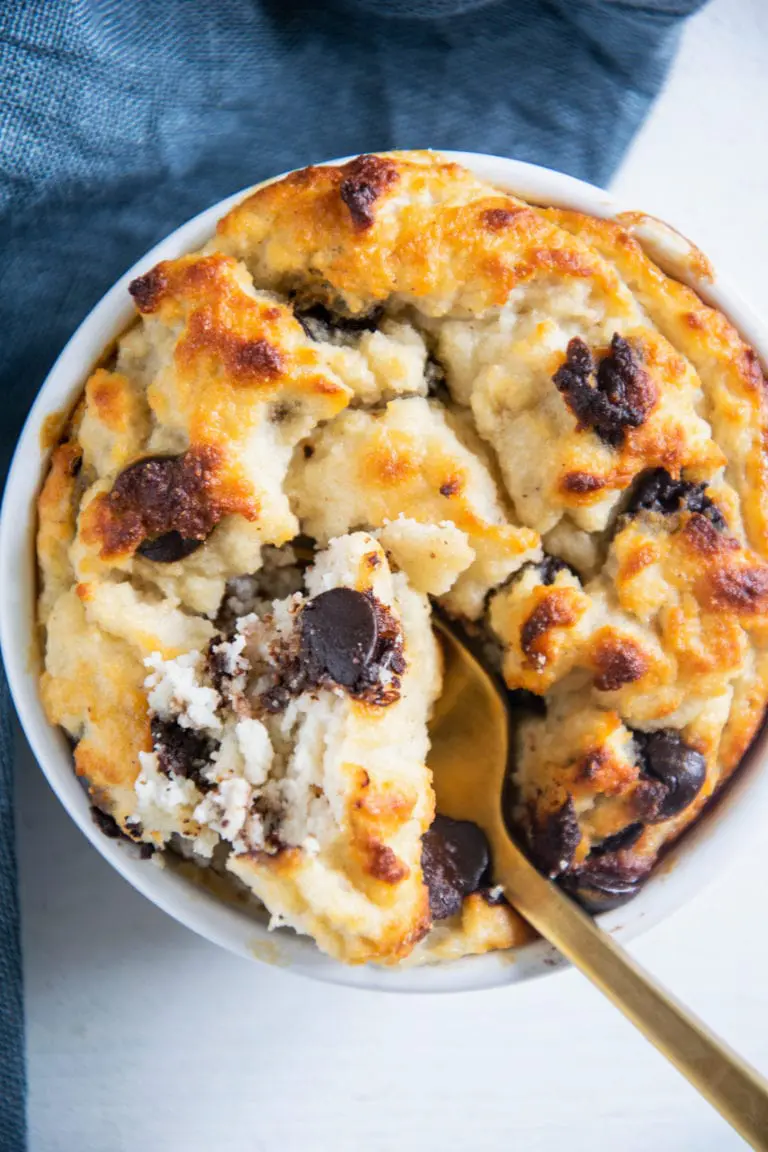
[(119, 119)]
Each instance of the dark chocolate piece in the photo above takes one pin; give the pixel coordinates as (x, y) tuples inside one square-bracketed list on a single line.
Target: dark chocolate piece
[(681, 769), (168, 548), (610, 397), (455, 859), (320, 323), (162, 496), (656, 491), (604, 883), (112, 830), (555, 840), (182, 751), (338, 636), (626, 838)]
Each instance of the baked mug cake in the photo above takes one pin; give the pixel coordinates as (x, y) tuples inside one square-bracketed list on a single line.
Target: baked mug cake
[(386, 388)]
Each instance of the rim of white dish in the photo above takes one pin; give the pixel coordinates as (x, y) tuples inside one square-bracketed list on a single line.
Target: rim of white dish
[(711, 845)]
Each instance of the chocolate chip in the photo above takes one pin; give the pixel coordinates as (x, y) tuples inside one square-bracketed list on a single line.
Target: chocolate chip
[(316, 323), (168, 548), (610, 397), (554, 841), (604, 883), (455, 858), (161, 496), (321, 325), (181, 751), (338, 635), (678, 767), (605, 880), (112, 830), (626, 838), (347, 638), (108, 825), (647, 798), (656, 491)]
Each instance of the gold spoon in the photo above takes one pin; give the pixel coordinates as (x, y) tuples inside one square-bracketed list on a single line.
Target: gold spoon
[(468, 758)]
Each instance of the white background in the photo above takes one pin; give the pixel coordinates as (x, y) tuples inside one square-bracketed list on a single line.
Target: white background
[(144, 1037)]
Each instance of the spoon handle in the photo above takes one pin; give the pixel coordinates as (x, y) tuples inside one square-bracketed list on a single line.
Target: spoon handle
[(737, 1090)]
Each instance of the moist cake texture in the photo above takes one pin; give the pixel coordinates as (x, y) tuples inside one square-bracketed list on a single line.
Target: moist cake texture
[(383, 388)]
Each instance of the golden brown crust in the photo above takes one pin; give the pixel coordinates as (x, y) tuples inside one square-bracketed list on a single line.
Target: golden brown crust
[(730, 373), (435, 231), (56, 523), (555, 610), (617, 660), (92, 686), (480, 927)]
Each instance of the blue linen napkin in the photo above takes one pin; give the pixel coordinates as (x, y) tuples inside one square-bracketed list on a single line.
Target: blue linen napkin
[(119, 119)]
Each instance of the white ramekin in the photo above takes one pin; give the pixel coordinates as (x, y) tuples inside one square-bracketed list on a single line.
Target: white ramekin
[(704, 852)]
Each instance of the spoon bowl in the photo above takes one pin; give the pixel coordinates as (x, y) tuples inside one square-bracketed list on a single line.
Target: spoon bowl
[(469, 737)]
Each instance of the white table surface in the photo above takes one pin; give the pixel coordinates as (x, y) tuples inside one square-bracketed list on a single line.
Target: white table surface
[(144, 1037)]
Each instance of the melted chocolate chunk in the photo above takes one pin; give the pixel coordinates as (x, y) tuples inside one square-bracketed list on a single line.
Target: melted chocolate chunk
[(656, 491), (108, 825), (158, 497), (112, 830), (626, 838), (678, 767), (647, 799), (346, 638), (554, 842), (320, 324), (338, 636), (380, 679), (455, 858), (604, 883), (610, 397), (181, 751), (168, 548)]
